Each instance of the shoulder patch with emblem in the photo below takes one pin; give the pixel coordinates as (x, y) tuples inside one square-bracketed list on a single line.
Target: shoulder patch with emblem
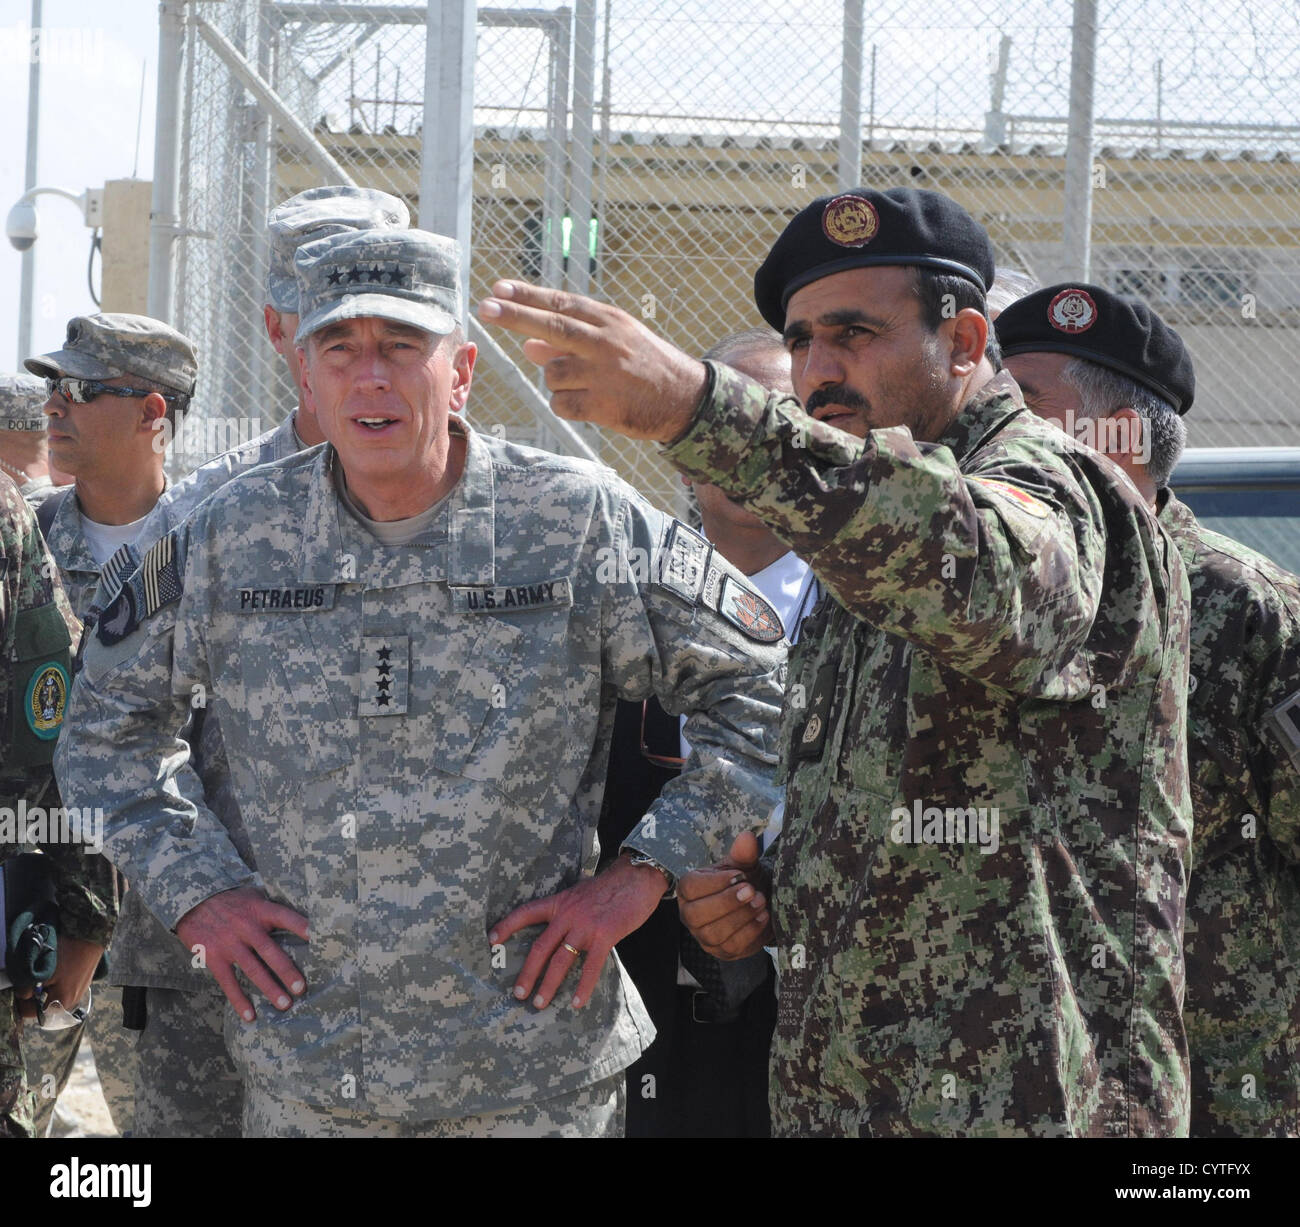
[(47, 700), (685, 562), (1022, 498), (743, 607)]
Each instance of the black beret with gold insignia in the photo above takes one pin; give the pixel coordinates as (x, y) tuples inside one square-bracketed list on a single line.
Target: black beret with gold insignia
[(864, 227), (1112, 330)]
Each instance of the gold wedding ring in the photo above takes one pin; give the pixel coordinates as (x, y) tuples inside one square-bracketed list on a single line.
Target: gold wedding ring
[(572, 950)]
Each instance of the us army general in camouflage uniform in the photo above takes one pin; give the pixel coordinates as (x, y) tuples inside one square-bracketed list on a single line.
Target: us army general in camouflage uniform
[(979, 888), (415, 668), (313, 214), (37, 628), (186, 1084), (1126, 367)]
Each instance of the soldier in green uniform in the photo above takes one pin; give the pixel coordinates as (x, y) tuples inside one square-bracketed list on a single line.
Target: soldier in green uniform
[(37, 629), (978, 892), (1115, 376)]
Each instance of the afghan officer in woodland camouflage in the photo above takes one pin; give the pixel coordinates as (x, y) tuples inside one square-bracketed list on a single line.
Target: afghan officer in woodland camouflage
[(37, 629), (414, 639), (979, 888), (1115, 376)]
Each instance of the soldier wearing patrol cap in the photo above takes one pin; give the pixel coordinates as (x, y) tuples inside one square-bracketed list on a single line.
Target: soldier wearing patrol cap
[(37, 629), (186, 1084), (313, 214), (979, 884), (1113, 375), (116, 380), (415, 652), (23, 453)]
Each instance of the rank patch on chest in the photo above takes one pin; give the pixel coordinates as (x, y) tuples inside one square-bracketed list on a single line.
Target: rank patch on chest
[(745, 608), (810, 738), (47, 699), (512, 598), (385, 675)]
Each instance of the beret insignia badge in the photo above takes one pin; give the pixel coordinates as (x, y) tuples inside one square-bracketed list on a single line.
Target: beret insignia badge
[(1072, 311), (850, 221)]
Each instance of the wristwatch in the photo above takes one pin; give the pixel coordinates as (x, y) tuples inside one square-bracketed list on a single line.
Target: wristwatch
[(641, 858)]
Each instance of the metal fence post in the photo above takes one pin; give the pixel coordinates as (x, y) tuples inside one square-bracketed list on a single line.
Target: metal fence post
[(1076, 231), (447, 133), (849, 163), (164, 222)]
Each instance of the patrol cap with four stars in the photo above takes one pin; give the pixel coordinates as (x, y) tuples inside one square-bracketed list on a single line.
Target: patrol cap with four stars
[(865, 227), (1112, 330), (314, 214), (409, 276), (21, 398), (116, 344)]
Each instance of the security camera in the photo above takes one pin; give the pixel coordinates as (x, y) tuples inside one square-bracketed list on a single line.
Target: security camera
[(21, 225)]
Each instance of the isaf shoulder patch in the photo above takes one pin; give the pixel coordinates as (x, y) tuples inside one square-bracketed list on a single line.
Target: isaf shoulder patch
[(743, 607)]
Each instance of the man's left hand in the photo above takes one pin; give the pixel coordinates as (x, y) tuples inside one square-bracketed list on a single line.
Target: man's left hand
[(72, 976), (589, 917), (601, 365)]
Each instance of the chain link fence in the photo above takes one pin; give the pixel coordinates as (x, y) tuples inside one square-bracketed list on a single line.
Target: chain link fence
[(715, 120)]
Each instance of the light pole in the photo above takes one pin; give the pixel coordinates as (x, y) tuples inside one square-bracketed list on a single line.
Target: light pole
[(22, 228)]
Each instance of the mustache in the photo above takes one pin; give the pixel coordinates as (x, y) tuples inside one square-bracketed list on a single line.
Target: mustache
[(840, 394)]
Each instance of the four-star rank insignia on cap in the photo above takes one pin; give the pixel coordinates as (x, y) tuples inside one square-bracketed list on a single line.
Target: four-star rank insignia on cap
[(850, 221), (1072, 310), (364, 275), (47, 699)]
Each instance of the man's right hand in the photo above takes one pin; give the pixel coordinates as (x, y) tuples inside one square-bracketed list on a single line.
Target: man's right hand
[(233, 929), (725, 906)]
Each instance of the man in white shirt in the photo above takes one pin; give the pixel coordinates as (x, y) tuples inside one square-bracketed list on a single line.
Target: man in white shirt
[(706, 1074), (115, 377)]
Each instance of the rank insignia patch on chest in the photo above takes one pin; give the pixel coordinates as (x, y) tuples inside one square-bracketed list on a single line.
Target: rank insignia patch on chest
[(385, 675), (811, 739), (743, 607), (1022, 498), (1283, 721), (47, 699)]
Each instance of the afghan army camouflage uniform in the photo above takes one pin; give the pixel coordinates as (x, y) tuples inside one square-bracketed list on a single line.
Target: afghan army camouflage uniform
[(418, 737), (1008, 632), (51, 1055), (37, 629), (1243, 909)]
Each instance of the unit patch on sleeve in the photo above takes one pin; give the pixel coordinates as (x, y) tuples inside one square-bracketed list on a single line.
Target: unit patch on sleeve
[(1022, 498), (47, 699), (744, 607), (685, 562)]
